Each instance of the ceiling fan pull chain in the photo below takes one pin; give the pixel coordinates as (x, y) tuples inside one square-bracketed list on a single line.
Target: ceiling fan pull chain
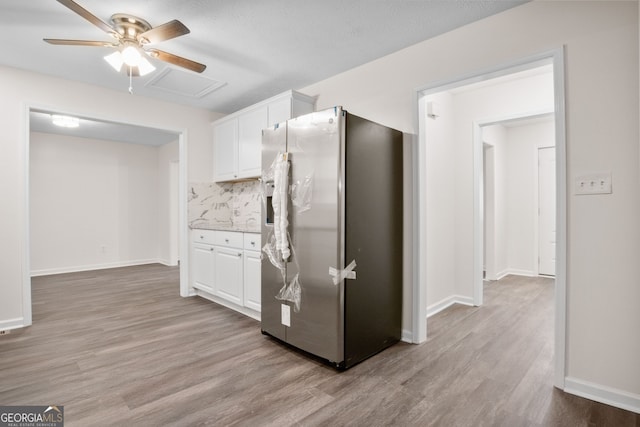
[(130, 80)]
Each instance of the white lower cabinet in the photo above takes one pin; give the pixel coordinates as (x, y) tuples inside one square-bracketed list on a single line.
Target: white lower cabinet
[(226, 266), (203, 267), (252, 293), (228, 275)]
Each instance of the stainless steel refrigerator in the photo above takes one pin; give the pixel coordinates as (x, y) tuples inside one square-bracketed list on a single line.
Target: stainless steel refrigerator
[(335, 291)]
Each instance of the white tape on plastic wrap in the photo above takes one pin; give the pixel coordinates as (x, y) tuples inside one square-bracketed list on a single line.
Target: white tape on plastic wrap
[(340, 275)]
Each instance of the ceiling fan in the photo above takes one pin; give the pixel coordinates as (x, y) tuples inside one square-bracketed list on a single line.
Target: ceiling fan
[(132, 39)]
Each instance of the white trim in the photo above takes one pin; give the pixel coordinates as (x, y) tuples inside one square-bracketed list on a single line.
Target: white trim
[(26, 255), (448, 302), (419, 323), (167, 262), (478, 212), (517, 272), (561, 220), (407, 336), (502, 274), (235, 307), (183, 222), (8, 324), (556, 57), (599, 393), (90, 267)]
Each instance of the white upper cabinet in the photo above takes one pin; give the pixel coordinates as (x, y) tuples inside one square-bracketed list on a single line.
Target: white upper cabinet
[(237, 138), (279, 111), (250, 127), (225, 150)]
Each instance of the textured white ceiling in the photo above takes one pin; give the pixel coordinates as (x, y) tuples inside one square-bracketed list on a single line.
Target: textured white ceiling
[(256, 48)]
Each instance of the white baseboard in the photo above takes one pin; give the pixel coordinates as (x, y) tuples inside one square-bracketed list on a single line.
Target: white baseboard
[(167, 262), (599, 393), (243, 310), (502, 274), (75, 269), (9, 324), (407, 336), (515, 272), (448, 302)]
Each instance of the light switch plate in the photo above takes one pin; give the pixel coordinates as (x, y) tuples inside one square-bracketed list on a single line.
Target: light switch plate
[(285, 314), (594, 183)]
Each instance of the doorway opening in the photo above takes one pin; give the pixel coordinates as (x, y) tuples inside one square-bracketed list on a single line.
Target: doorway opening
[(450, 160), (517, 186), (125, 177)]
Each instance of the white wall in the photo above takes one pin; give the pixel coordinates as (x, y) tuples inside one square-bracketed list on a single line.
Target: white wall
[(488, 103), (522, 194), (516, 205), (440, 204), (601, 57), (21, 89), (449, 204), (94, 204)]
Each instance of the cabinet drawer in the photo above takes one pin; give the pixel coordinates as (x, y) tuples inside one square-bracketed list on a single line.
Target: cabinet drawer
[(252, 241), (229, 239), (203, 236)]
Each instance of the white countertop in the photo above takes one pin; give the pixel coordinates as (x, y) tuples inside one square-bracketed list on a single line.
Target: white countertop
[(253, 228)]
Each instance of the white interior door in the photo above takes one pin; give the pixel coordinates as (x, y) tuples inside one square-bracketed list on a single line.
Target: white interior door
[(547, 211)]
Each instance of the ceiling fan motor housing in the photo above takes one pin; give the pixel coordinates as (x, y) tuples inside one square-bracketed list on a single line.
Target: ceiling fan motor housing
[(130, 27)]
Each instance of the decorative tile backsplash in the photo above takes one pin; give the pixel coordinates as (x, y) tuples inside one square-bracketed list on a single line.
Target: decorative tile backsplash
[(234, 205)]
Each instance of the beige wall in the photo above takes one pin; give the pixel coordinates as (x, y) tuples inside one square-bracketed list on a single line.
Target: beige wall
[(93, 203), (601, 42), (21, 89)]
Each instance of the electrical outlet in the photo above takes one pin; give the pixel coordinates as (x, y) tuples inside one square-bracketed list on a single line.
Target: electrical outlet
[(4, 332), (285, 314), (595, 183)]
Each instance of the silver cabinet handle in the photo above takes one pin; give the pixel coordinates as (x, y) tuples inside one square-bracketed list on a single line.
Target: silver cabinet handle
[(239, 255)]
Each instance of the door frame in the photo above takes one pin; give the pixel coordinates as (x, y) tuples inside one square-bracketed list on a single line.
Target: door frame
[(26, 232), (419, 285)]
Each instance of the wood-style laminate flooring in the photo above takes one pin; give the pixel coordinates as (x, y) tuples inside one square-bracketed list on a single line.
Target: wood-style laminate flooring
[(120, 347)]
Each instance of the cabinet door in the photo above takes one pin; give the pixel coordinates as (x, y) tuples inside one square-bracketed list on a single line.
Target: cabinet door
[(252, 266), (279, 111), (225, 150), (250, 125), (203, 267), (228, 275)]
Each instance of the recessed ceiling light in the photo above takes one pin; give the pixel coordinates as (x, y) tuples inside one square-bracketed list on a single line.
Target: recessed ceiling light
[(65, 121)]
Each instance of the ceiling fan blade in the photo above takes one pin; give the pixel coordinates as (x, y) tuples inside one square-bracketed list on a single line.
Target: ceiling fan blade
[(89, 16), (177, 60), (170, 30), (80, 42)]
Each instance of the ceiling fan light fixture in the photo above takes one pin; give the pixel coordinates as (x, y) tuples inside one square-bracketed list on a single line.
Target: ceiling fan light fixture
[(65, 121), (131, 56), (115, 60), (145, 67)]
